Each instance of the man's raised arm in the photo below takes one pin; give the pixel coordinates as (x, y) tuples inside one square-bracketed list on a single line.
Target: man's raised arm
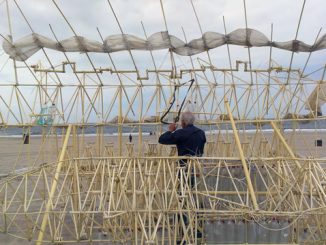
[(169, 137)]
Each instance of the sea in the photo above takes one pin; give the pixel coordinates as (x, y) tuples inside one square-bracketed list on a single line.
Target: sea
[(90, 130)]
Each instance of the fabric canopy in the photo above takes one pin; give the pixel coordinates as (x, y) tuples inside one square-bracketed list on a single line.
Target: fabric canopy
[(25, 47)]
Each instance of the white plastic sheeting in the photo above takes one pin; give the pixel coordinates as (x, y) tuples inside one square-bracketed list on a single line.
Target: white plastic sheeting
[(225, 182), (240, 231), (25, 47), (317, 98)]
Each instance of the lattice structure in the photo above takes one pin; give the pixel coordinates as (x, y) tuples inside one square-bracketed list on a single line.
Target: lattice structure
[(145, 200), (261, 180)]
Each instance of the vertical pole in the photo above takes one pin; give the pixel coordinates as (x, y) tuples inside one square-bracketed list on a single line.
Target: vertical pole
[(53, 187), (99, 138), (74, 193), (74, 142), (140, 130), (15, 68), (120, 122), (243, 161)]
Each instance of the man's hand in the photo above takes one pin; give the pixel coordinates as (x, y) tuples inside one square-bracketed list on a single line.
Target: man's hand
[(172, 127)]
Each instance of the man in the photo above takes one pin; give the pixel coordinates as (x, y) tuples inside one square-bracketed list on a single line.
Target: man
[(190, 140), (130, 138)]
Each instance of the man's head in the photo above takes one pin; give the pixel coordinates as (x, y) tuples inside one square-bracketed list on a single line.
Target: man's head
[(187, 118)]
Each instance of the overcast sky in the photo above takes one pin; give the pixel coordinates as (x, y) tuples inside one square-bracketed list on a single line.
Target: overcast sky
[(85, 16)]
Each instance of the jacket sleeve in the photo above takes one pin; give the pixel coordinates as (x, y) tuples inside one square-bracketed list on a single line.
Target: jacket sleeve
[(168, 138)]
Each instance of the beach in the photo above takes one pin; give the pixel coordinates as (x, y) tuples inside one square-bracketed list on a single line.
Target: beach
[(17, 157)]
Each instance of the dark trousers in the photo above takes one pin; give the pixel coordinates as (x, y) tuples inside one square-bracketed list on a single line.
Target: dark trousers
[(191, 179)]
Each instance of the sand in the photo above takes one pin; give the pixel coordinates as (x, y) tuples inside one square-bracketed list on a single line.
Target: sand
[(14, 155)]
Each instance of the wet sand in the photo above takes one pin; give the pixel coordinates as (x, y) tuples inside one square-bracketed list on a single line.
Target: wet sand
[(14, 155)]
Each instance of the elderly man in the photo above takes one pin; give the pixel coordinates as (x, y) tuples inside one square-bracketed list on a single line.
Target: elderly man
[(190, 140)]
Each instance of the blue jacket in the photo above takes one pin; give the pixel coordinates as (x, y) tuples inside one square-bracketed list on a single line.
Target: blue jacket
[(189, 140)]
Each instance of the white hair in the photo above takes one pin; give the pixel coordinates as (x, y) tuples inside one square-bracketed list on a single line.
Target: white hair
[(188, 118)]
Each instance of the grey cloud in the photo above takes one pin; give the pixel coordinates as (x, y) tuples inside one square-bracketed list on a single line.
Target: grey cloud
[(85, 16)]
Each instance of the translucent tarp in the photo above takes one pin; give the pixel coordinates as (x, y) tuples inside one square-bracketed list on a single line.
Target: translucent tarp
[(317, 98), (25, 47)]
